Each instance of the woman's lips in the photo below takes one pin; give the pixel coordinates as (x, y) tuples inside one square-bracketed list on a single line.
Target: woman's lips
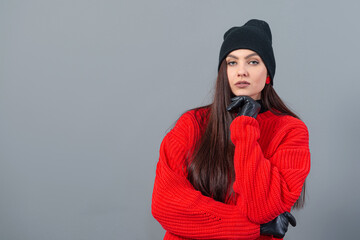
[(242, 84)]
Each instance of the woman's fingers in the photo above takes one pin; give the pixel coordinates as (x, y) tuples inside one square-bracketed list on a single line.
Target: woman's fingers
[(236, 103), (291, 218)]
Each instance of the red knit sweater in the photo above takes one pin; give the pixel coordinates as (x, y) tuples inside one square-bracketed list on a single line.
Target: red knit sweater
[(271, 162)]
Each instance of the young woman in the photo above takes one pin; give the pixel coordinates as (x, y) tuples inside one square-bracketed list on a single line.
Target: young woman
[(234, 169)]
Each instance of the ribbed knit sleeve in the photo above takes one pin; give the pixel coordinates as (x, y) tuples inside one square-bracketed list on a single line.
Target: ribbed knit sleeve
[(184, 211), (271, 185)]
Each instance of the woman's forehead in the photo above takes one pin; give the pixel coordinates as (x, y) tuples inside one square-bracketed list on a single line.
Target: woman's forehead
[(240, 53)]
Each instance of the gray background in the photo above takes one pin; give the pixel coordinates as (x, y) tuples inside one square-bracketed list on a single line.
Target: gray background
[(88, 90)]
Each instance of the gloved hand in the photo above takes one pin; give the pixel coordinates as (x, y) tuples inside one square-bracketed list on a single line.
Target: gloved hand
[(279, 226), (246, 106)]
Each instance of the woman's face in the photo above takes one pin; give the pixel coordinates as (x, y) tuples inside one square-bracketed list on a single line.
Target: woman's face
[(246, 73)]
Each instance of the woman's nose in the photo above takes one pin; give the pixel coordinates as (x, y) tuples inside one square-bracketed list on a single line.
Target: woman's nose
[(242, 71)]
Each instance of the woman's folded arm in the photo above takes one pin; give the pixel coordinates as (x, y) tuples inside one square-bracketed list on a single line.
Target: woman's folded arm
[(270, 185), (184, 211)]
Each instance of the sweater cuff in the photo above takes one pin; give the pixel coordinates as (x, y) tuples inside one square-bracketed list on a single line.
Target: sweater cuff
[(244, 128)]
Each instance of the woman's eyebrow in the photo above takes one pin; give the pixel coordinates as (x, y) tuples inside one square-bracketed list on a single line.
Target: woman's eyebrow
[(232, 56), (248, 56)]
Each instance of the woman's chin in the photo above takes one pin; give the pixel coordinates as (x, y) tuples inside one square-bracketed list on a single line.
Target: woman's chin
[(255, 97)]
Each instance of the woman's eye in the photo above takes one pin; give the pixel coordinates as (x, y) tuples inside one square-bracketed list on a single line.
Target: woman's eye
[(231, 63), (254, 62)]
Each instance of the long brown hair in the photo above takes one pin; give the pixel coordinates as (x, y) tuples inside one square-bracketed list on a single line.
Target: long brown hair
[(211, 166)]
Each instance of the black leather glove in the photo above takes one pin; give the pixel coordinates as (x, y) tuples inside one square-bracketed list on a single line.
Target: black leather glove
[(246, 106), (279, 226)]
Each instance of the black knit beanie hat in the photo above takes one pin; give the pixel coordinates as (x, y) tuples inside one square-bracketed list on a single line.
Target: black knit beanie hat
[(254, 35)]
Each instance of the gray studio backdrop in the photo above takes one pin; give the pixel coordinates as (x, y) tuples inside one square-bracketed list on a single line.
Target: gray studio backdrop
[(88, 90)]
